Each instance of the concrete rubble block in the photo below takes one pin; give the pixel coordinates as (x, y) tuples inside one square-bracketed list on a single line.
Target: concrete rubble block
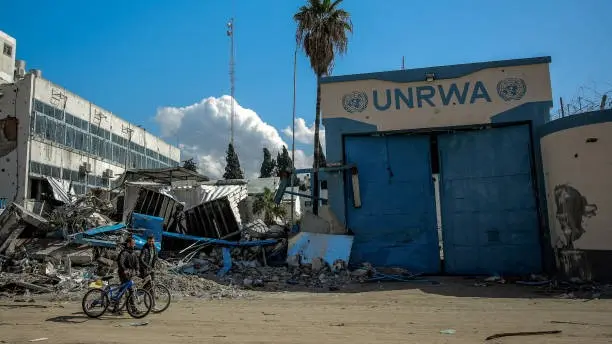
[(81, 257), (328, 247), (317, 264), (293, 261)]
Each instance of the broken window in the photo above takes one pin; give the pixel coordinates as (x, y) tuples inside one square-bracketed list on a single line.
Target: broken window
[(8, 50)]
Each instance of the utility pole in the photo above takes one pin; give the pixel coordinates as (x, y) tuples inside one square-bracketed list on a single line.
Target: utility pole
[(403, 60), (230, 33), (293, 134)]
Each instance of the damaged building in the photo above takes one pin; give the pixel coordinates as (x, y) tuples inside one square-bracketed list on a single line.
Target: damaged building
[(461, 170), (48, 131)]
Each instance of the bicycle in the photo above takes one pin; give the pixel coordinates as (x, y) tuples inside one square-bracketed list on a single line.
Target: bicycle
[(157, 290), (112, 295)]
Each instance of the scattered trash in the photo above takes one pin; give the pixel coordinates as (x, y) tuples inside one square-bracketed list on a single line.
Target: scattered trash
[(448, 331), (515, 334), (38, 339)]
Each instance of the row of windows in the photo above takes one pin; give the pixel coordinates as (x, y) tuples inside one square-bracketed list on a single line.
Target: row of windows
[(64, 117), (51, 129), (79, 181)]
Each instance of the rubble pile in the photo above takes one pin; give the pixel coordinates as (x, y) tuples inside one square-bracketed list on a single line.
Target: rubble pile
[(205, 249), (251, 270), (85, 212)]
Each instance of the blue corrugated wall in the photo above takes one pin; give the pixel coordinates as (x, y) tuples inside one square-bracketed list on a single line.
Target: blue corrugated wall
[(489, 211), (396, 224)]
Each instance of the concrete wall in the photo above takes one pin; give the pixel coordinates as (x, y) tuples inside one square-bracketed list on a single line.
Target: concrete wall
[(577, 165), (7, 61), (15, 105)]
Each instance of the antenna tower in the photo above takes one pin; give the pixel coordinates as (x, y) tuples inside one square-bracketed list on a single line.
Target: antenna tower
[(230, 33)]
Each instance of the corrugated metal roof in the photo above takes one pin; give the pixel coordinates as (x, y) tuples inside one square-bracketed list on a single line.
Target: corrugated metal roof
[(195, 196), (213, 192)]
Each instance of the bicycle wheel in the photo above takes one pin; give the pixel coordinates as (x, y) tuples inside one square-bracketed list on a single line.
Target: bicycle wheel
[(99, 301), (161, 298), (136, 300)]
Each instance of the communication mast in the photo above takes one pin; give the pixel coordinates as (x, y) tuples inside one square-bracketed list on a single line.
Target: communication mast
[(230, 33)]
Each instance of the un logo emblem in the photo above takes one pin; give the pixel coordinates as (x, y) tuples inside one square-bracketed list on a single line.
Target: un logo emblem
[(355, 102), (511, 89)]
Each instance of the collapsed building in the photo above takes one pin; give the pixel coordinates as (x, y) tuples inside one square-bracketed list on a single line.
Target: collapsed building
[(201, 228)]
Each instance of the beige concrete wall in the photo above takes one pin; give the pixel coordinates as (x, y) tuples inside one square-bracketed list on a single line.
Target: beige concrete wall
[(575, 168), (536, 78)]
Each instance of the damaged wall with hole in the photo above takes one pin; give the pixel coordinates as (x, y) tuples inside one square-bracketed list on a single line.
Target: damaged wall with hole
[(14, 138), (577, 161), (471, 128)]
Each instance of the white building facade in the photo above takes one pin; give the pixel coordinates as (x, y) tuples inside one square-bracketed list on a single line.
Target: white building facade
[(46, 130)]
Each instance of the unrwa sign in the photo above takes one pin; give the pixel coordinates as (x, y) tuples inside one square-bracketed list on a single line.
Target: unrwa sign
[(429, 96)]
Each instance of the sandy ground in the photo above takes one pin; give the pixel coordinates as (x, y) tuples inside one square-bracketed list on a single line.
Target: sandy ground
[(384, 313)]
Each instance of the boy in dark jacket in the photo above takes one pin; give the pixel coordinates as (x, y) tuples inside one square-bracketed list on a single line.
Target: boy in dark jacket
[(148, 257), (127, 263)]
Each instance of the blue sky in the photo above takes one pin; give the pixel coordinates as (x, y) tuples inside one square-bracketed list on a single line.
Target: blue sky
[(133, 58)]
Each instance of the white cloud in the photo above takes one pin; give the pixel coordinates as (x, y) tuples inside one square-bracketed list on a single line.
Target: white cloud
[(303, 133), (203, 132)]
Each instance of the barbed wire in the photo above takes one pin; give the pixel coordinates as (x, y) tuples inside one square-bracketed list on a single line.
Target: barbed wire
[(587, 98)]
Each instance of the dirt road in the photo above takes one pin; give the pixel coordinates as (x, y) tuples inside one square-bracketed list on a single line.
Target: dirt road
[(411, 315)]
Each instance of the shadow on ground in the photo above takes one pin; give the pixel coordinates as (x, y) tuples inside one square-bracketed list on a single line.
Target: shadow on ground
[(75, 318), (17, 306), (455, 287)]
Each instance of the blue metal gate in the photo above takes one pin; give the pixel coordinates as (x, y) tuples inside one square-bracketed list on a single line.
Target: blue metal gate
[(396, 224), (489, 213)]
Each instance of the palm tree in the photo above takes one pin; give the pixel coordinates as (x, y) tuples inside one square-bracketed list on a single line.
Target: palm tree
[(265, 204), (322, 30)]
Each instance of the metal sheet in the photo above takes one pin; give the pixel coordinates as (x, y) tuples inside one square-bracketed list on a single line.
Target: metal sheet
[(150, 202), (396, 223), (62, 190), (193, 196), (489, 213), (214, 219)]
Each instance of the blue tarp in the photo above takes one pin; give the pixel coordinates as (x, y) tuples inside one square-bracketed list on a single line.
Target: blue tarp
[(152, 225)]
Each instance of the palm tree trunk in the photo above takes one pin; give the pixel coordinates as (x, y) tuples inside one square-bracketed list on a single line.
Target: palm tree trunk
[(315, 174)]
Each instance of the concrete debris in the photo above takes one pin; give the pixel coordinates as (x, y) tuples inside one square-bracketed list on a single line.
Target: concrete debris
[(205, 251)]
